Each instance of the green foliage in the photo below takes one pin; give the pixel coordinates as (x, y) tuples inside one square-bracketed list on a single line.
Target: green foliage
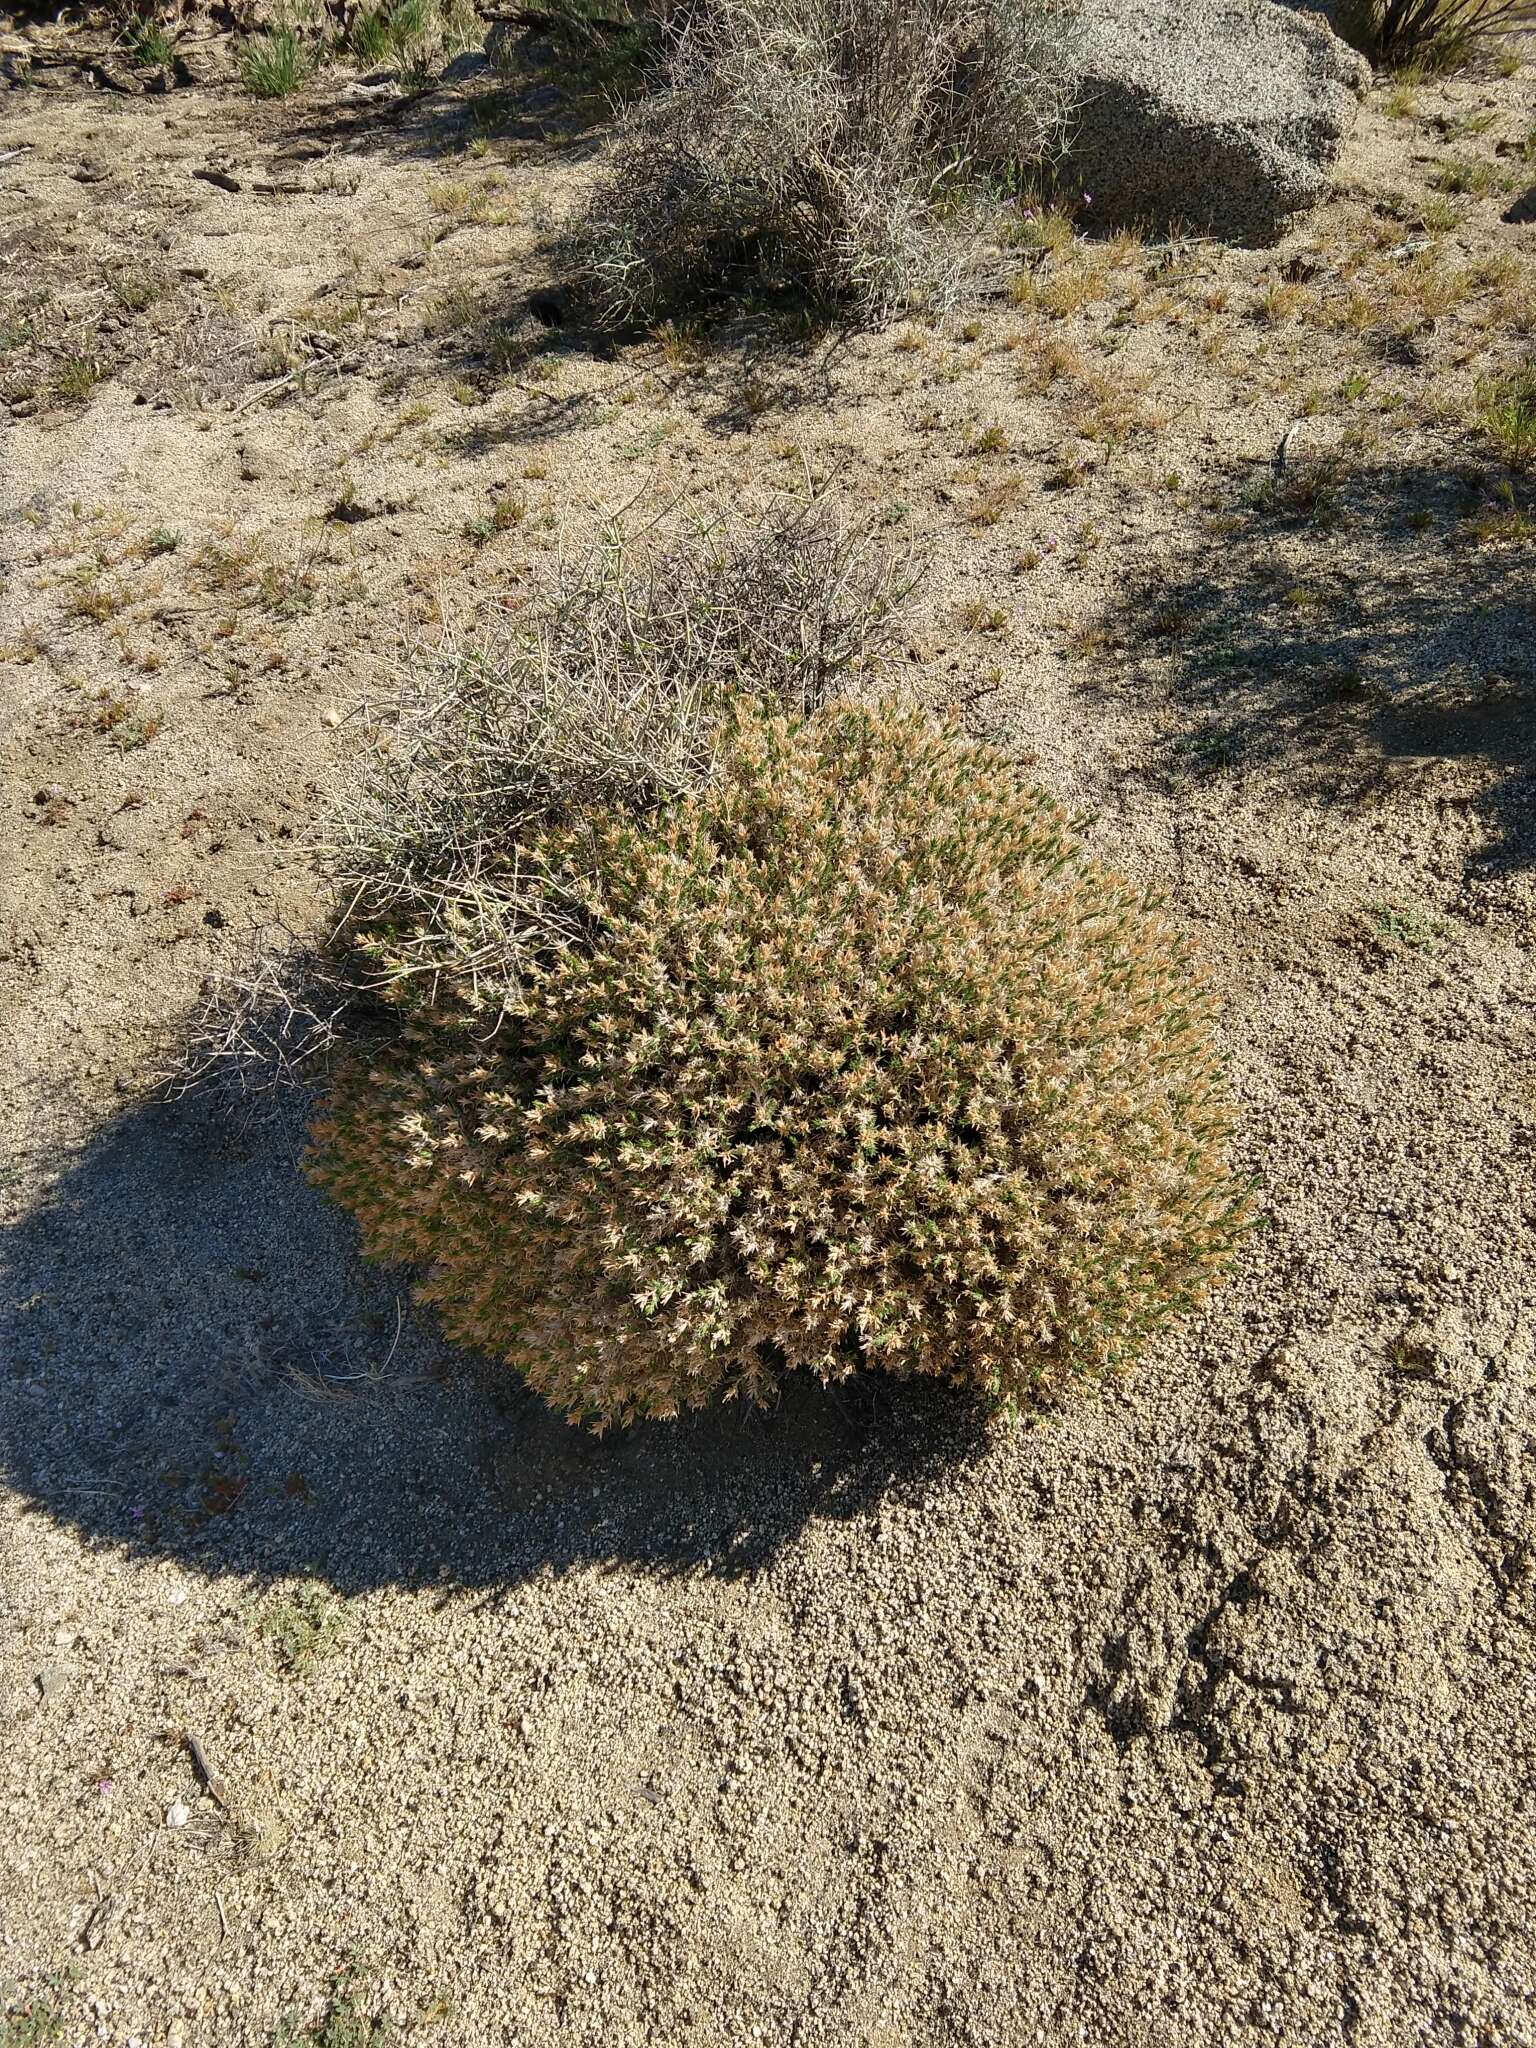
[(1438, 35), (1506, 411), (1403, 927), (275, 64), (151, 43), (861, 1062), (343, 2024), (36, 2020), (838, 148), (35, 2025), (415, 35), (303, 1628)]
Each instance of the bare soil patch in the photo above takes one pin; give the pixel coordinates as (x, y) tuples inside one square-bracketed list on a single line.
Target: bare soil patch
[(1199, 1713)]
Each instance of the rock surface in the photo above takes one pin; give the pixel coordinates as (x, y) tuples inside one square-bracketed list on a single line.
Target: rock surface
[(1223, 116)]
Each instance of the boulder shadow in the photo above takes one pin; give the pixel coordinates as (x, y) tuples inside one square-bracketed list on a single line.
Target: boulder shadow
[(197, 1365)]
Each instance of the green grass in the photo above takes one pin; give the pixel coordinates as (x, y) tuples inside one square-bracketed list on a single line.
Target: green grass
[(133, 292), (413, 35), (150, 43), (1464, 174), (76, 377), (274, 65), (1504, 520), (1506, 412)]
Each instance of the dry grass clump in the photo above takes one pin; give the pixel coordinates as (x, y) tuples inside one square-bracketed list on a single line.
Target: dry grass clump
[(833, 146), (863, 1063), (268, 1024)]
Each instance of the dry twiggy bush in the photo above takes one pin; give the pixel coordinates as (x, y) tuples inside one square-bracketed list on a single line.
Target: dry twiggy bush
[(862, 1063), (837, 147), (607, 697)]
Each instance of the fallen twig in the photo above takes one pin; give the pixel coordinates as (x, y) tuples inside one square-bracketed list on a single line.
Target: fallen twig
[(213, 1786)]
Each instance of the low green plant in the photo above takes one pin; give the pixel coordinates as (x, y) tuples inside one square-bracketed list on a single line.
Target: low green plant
[(1403, 927), (275, 64), (854, 1059), (344, 2024), (127, 720), (503, 516), (77, 376), (303, 1628), (135, 292), (1506, 412), (36, 2020), (1306, 490), (151, 43)]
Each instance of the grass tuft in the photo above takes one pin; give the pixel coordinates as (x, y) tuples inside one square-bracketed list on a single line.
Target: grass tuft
[(1506, 412), (273, 65), (1424, 36)]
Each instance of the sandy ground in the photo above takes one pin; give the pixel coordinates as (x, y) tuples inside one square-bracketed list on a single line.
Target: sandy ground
[(340, 1684)]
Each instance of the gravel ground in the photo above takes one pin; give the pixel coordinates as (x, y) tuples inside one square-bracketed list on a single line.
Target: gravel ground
[(340, 1682)]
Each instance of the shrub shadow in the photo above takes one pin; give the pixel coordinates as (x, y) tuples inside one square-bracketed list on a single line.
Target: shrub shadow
[(751, 374), (1349, 629), (530, 108), (197, 1366)]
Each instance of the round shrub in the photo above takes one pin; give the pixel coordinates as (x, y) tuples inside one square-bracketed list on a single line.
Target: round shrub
[(863, 1063)]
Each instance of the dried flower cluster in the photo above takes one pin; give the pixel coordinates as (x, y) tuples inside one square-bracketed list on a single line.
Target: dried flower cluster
[(865, 1063)]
